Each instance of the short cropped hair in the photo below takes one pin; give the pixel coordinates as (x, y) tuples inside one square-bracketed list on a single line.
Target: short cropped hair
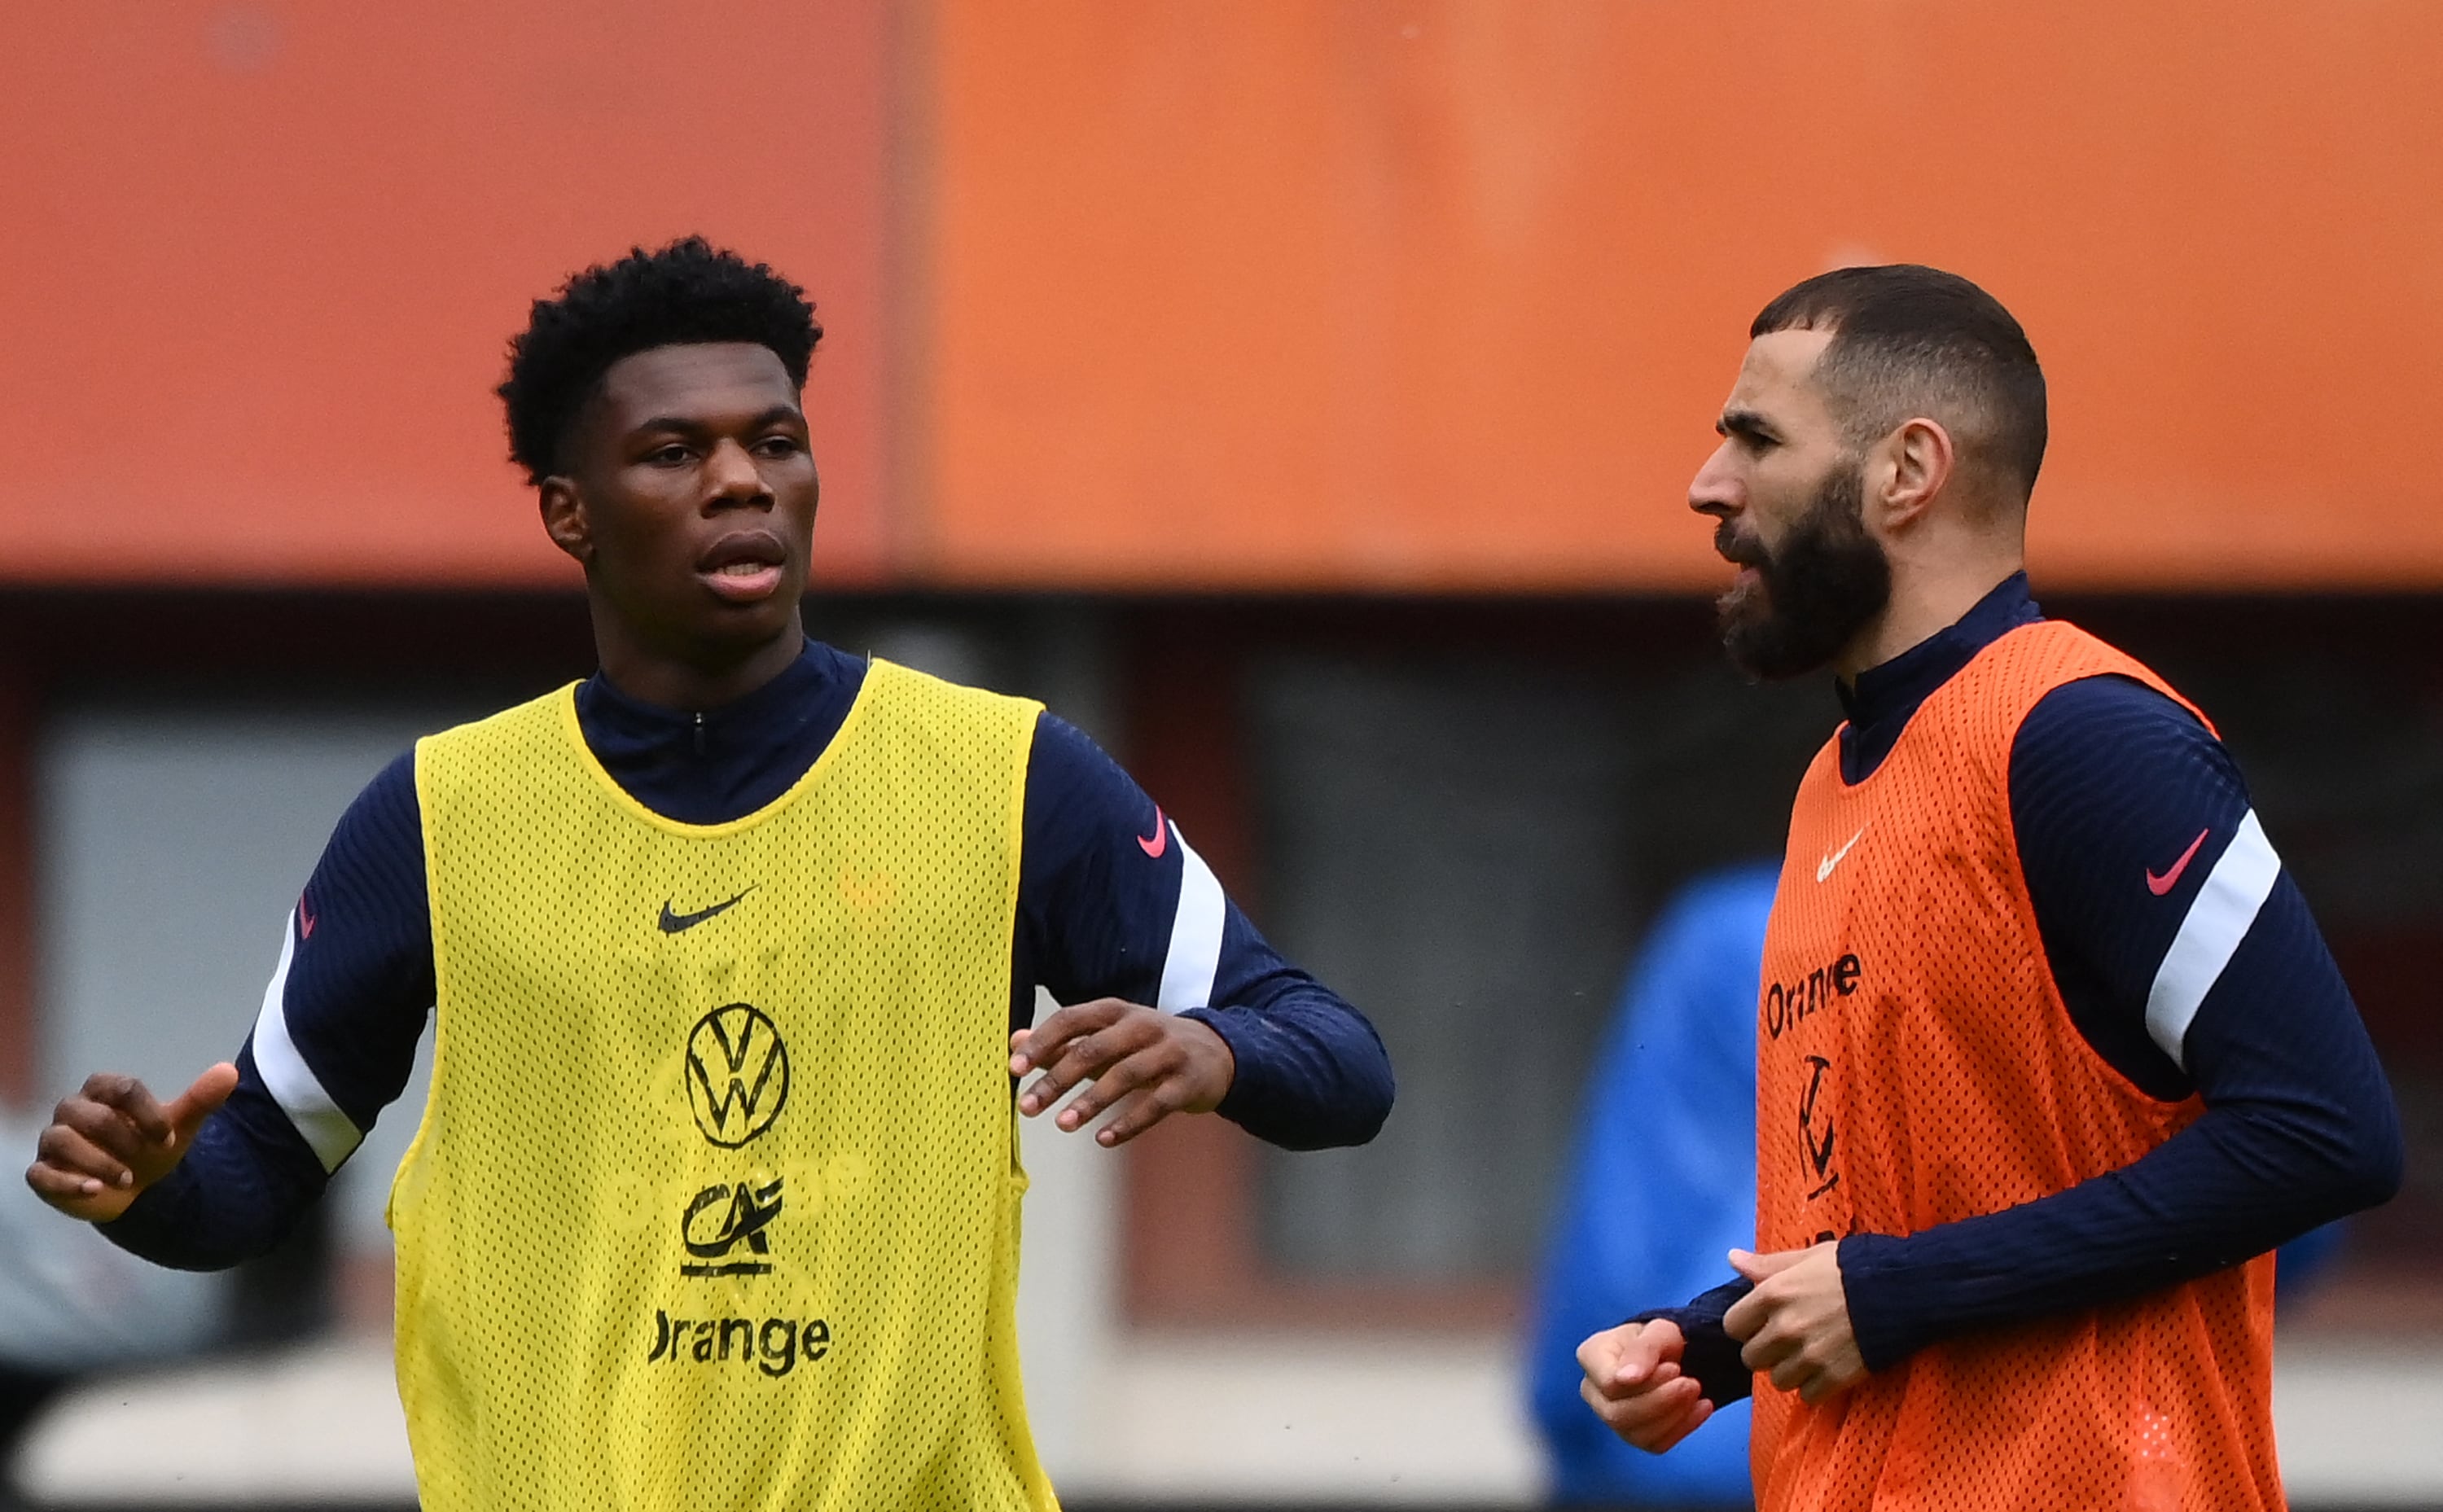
[(687, 292), (1909, 340)]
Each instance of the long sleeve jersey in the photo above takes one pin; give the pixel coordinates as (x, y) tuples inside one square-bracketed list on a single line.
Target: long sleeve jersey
[(2142, 852), (1112, 902)]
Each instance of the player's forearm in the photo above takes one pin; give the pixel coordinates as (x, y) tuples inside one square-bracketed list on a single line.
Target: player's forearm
[(1311, 1073), (2240, 1181), (240, 1190)]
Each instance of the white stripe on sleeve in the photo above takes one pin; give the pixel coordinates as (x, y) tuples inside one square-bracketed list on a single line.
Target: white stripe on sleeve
[(292, 1082), (2218, 919), (1195, 933)]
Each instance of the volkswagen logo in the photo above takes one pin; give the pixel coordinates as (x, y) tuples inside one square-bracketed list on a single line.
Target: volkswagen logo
[(737, 1074)]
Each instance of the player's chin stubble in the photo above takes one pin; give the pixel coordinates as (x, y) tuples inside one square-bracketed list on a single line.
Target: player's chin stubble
[(1815, 592)]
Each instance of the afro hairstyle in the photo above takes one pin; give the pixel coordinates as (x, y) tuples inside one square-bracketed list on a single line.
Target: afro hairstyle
[(687, 292)]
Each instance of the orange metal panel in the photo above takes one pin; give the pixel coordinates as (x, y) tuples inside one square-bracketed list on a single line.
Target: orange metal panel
[(1425, 295), (258, 263)]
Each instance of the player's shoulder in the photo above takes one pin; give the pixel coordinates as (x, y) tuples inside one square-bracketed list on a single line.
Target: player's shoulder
[(2026, 662), (2110, 744), (385, 810), (1060, 746), (464, 756), (1080, 803), (900, 702), (2062, 679), (518, 722), (896, 678), (2112, 710)]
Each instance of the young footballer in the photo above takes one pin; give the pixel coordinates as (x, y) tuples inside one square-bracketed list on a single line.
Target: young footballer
[(731, 952), (2050, 1054)]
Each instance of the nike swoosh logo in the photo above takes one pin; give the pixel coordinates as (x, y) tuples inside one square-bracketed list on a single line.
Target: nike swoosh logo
[(2159, 886), (673, 923), (1823, 867), (1156, 842)]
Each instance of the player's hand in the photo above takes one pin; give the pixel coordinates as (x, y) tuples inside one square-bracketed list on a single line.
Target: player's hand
[(1796, 1325), (1144, 1063), (1634, 1384), (113, 1138)]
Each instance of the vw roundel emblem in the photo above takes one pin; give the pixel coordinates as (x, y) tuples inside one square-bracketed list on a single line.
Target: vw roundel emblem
[(737, 1074)]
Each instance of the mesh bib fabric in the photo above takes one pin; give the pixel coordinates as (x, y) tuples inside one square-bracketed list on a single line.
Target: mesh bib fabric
[(1915, 1067), (715, 1201)]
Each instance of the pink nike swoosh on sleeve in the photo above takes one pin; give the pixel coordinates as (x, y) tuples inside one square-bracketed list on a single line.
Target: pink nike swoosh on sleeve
[(2164, 884), (1154, 844)]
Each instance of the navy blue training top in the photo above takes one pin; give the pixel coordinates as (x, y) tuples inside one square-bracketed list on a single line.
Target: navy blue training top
[(1111, 903), (2124, 804)]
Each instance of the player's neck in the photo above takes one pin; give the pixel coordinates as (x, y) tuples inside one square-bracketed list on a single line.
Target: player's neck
[(1923, 605), (693, 682)]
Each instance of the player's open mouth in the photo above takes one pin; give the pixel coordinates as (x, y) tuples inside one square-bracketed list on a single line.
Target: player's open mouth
[(743, 567), (1742, 552)]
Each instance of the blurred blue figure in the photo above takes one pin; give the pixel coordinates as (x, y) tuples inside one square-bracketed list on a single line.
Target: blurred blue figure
[(2298, 1264), (1663, 1184), (1661, 1188)]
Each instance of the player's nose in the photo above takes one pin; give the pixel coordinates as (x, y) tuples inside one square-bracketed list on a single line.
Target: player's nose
[(731, 477), (1717, 490)]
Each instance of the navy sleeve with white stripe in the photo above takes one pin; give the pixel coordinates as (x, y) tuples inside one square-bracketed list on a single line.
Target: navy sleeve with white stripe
[(2187, 959), (1116, 904), (332, 1046)]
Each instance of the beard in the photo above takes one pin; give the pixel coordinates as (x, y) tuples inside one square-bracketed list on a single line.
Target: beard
[(1812, 594)]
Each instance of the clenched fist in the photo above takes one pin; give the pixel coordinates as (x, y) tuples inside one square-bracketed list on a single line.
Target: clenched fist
[(1635, 1385)]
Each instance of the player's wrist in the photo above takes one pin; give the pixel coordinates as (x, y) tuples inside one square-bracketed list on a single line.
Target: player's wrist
[(1886, 1317), (1218, 1061)]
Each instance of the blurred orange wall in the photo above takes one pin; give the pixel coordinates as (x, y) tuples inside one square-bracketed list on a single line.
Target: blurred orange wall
[(1214, 294), (1410, 294), (259, 263)]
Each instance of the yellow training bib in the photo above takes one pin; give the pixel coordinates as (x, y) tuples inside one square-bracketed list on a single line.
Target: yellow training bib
[(715, 1201)]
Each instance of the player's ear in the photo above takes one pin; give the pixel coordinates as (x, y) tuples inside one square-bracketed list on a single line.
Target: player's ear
[(564, 518), (1908, 470)]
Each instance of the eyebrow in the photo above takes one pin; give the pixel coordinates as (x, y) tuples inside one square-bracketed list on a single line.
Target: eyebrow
[(1746, 425), (772, 416)]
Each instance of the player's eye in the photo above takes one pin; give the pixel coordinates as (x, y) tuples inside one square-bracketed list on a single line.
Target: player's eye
[(672, 455), (779, 446)]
